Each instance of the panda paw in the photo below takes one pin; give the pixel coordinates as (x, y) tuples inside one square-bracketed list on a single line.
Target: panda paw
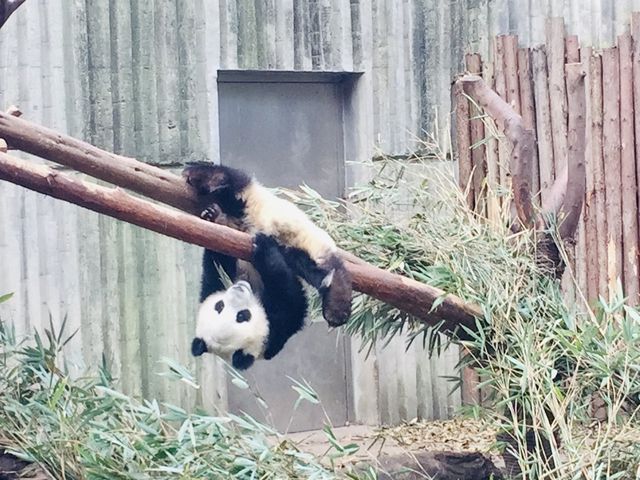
[(211, 213), (266, 255)]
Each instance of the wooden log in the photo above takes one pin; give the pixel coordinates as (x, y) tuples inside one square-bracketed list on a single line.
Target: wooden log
[(635, 28), (589, 210), (557, 92), (463, 144), (150, 181), (501, 89), (544, 131), (522, 139), (576, 180), (612, 174), (629, 245), (408, 295), (597, 161), (528, 107), (476, 126)]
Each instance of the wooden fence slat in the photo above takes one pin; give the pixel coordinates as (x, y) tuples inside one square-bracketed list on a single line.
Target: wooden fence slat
[(635, 29), (501, 89), (493, 173), (463, 142), (597, 161), (510, 45), (557, 90), (572, 49), (476, 126), (544, 131), (528, 108), (612, 175), (589, 211), (629, 247)]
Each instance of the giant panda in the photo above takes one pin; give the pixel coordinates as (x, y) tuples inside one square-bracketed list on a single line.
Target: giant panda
[(243, 203), (239, 324)]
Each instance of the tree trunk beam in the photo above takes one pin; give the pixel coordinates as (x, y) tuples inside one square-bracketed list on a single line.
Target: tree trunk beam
[(523, 141), (403, 293)]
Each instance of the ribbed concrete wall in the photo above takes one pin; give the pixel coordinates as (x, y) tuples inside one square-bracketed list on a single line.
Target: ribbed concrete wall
[(139, 77)]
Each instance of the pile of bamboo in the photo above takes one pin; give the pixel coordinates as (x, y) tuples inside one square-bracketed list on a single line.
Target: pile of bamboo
[(533, 81)]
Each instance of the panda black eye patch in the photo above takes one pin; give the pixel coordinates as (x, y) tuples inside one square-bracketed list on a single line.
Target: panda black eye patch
[(219, 306), (243, 316)]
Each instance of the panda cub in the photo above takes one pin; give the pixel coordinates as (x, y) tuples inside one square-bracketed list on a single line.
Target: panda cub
[(236, 200), (241, 325)]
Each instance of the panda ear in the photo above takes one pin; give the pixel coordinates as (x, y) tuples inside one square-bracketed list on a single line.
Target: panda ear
[(198, 347), (241, 360)]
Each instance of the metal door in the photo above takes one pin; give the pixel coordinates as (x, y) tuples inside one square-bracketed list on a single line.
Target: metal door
[(288, 133)]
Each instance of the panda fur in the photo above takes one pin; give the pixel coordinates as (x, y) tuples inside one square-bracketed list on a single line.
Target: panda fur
[(246, 205), (241, 325)]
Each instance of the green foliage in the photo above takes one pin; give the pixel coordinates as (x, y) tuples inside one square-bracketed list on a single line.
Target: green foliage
[(84, 428), (543, 363)]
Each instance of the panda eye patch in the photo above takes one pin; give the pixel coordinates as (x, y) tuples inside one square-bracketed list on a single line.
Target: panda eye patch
[(219, 306), (243, 316)]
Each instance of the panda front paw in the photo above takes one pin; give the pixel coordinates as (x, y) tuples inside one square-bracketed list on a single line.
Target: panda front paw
[(211, 213), (266, 255)]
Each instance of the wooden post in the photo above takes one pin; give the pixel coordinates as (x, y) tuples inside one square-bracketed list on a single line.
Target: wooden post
[(525, 80), (597, 161), (491, 149), (510, 45), (589, 211), (544, 131), (629, 245), (612, 174), (463, 143), (474, 65), (501, 89), (572, 49), (557, 91)]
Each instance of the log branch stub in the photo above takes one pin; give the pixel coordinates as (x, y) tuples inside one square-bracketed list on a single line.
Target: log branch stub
[(405, 294)]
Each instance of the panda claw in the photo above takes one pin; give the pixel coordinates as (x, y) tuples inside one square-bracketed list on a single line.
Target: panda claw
[(211, 214)]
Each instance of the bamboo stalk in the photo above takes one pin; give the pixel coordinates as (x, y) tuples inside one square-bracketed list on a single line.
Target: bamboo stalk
[(613, 178), (597, 160), (543, 119), (476, 126), (525, 79), (629, 245), (557, 92), (408, 295)]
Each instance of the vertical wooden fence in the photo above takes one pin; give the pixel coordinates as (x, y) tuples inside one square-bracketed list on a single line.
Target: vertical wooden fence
[(533, 81)]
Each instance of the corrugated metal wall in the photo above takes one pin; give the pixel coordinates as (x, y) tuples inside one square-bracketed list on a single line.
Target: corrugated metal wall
[(139, 78)]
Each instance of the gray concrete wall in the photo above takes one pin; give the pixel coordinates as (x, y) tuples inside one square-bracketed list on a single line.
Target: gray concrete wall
[(139, 78)]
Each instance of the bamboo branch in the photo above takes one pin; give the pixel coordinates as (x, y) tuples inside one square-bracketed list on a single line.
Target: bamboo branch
[(521, 138), (405, 294), (7, 7)]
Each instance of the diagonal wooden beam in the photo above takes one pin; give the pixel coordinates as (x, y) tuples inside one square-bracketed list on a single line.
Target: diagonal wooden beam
[(405, 294)]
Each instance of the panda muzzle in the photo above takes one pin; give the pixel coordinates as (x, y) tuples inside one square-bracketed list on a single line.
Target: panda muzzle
[(198, 347)]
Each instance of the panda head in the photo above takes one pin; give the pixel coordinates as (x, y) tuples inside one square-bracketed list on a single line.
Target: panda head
[(233, 325)]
